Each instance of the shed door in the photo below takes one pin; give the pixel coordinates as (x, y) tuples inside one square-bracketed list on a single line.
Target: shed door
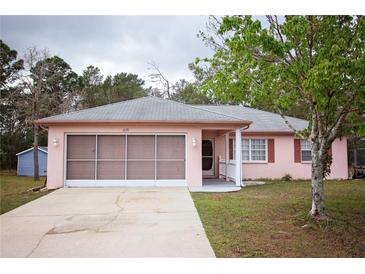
[(125, 157)]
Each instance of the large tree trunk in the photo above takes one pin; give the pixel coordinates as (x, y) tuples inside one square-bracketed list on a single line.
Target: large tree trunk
[(318, 166), (35, 153)]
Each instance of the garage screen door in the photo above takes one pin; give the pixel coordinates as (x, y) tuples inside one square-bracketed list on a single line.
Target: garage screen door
[(125, 157)]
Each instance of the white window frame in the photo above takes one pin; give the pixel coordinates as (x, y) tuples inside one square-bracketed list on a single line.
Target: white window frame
[(301, 150), (249, 151)]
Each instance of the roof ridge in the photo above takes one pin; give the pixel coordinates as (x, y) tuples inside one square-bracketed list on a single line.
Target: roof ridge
[(93, 108), (270, 112), (218, 112), (176, 102), (200, 111), (274, 113)]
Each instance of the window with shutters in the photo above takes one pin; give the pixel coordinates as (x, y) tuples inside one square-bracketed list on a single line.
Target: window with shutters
[(253, 150)]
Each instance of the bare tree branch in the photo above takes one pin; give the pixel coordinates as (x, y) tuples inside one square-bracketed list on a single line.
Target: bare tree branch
[(158, 77)]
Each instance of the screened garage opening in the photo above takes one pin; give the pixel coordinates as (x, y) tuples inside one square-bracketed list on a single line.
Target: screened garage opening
[(102, 160)]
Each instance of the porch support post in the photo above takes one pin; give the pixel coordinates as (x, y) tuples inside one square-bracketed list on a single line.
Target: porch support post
[(227, 155), (238, 158)]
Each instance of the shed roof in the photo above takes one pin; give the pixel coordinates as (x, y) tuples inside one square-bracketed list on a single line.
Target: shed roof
[(40, 148)]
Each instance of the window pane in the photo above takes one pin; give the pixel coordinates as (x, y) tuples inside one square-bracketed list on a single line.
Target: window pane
[(207, 148), (81, 146), (245, 143), (305, 145), (258, 158), (245, 155), (258, 149), (207, 163), (111, 170), (258, 141), (171, 147), (111, 147), (258, 155), (141, 147), (245, 149), (80, 170), (170, 170), (140, 170), (306, 155)]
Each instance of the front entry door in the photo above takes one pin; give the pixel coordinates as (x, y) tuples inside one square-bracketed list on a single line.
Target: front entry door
[(208, 157)]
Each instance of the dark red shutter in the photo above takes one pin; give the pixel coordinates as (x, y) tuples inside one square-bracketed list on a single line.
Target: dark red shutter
[(231, 149), (297, 151), (271, 150)]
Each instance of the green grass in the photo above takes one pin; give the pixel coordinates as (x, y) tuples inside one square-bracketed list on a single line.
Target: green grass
[(266, 221), (14, 191)]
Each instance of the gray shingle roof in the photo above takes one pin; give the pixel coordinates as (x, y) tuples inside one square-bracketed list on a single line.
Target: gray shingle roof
[(157, 109), (261, 120), (145, 109)]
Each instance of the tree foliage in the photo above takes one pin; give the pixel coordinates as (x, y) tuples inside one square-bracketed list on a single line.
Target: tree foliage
[(57, 84), (317, 62), (95, 91), (188, 93), (11, 131), (10, 65)]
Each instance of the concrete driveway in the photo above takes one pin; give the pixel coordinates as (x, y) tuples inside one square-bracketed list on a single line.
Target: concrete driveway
[(106, 222)]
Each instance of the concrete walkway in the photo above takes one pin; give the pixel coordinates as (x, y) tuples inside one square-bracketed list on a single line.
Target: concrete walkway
[(216, 185), (106, 222)]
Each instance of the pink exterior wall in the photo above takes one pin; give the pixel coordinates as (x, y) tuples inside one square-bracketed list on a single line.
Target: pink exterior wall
[(284, 153), (284, 160), (56, 155)]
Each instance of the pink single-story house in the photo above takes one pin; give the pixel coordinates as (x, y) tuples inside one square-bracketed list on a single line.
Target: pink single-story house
[(156, 142)]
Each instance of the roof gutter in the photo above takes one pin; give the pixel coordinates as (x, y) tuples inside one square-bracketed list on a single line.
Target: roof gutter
[(245, 127), (42, 122), (241, 128)]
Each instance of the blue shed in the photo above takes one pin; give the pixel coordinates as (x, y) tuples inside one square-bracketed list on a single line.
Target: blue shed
[(25, 162)]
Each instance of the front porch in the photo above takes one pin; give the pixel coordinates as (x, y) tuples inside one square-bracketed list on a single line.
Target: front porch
[(219, 172)]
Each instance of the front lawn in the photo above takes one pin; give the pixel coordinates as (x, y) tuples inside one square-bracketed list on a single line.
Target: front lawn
[(268, 220), (14, 191)]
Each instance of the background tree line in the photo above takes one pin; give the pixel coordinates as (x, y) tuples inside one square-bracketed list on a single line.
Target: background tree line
[(38, 84)]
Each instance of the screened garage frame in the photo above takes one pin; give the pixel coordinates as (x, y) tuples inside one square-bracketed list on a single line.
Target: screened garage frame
[(95, 182)]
